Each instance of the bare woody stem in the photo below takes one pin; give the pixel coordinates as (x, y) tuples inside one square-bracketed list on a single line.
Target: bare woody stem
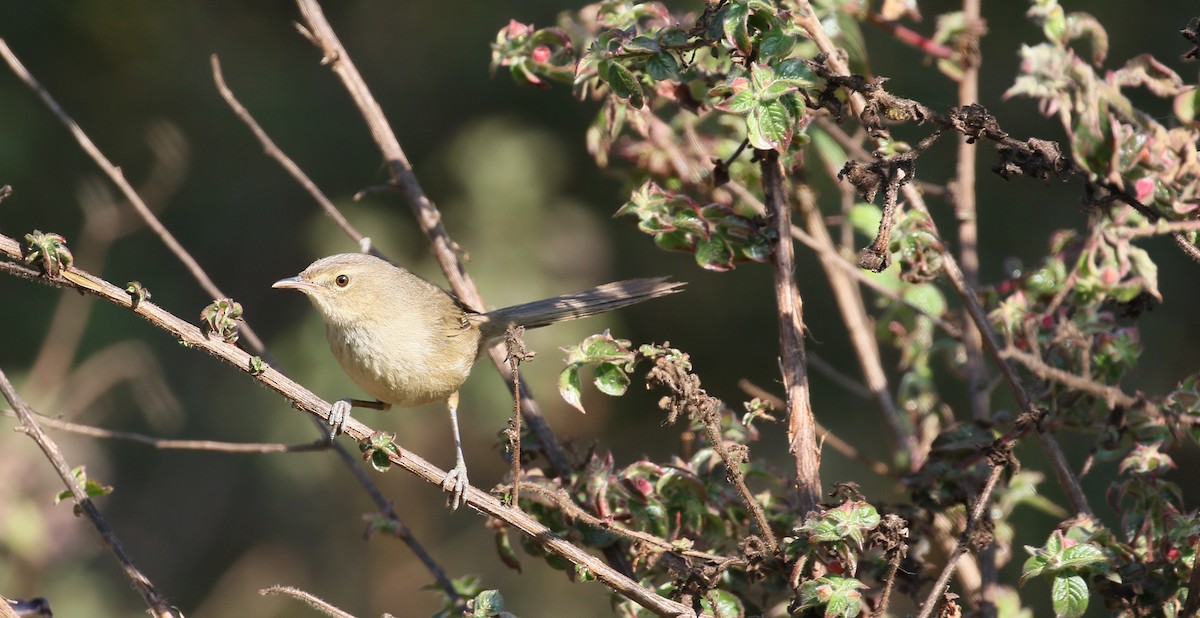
[(977, 511), (29, 424), (802, 436), (303, 399), (118, 178), (968, 247), (321, 34)]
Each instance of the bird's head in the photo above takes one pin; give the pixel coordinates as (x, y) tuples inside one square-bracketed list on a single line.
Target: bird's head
[(347, 288)]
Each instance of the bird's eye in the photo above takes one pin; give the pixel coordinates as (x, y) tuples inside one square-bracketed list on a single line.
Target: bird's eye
[(342, 281)]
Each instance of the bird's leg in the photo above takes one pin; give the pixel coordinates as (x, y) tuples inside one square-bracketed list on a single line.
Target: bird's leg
[(339, 413), (456, 480)]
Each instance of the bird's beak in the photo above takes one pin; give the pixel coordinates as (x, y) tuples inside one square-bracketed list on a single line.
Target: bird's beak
[(295, 283)]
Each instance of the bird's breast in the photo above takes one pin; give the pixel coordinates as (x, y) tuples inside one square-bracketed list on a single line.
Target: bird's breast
[(403, 366)]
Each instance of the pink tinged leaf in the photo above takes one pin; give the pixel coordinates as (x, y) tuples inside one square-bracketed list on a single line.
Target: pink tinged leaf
[(1144, 189)]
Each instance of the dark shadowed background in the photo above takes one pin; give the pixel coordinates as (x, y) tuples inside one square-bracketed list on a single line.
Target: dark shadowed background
[(509, 170)]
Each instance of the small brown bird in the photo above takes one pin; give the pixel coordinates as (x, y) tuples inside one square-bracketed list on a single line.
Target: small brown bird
[(407, 342)]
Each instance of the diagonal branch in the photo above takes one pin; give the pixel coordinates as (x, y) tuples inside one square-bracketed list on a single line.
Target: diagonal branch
[(305, 400), (29, 424)]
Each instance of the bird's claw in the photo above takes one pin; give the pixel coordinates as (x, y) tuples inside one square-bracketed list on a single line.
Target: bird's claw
[(339, 413), (456, 484)]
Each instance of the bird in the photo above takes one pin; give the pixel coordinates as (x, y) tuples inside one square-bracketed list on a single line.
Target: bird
[(407, 342)]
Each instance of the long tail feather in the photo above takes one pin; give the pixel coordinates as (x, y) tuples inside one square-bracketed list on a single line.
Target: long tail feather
[(597, 300)]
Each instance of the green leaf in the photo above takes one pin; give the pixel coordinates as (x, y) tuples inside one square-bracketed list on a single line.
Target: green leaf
[(1145, 268), (775, 43), (643, 44), (775, 90), (736, 28), (623, 83), (714, 254), (1081, 555), (662, 66), (761, 76), (926, 297), (796, 72), (770, 126), (488, 603), (673, 36), (739, 103), (570, 387), (1069, 594), (675, 241), (611, 380)]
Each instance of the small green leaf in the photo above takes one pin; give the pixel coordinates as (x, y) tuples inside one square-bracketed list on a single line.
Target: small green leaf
[(775, 43), (673, 36), (378, 449), (926, 297), (570, 387), (1081, 555), (735, 22), (761, 76), (739, 103), (1069, 594), (796, 72), (714, 254), (662, 66), (611, 380), (643, 44), (91, 488), (487, 604), (505, 550), (769, 126), (49, 250), (775, 90), (623, 83), (1145, 268)]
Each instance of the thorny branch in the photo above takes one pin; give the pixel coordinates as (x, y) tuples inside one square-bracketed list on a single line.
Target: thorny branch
[(688, 398)]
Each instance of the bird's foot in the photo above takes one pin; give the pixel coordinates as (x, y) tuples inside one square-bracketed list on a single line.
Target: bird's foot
[(338, 415), (456, 484)]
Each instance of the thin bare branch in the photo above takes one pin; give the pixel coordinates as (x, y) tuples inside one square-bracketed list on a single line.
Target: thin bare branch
[(169, 444), (826, 436), (118, 178), (977, 511), (273, 151), (30, 425), (307, 598)]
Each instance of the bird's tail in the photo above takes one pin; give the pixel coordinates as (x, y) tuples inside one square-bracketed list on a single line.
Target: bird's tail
[(597, 300)]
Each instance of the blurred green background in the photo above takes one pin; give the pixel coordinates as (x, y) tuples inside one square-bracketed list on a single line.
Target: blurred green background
[(508, 168)]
